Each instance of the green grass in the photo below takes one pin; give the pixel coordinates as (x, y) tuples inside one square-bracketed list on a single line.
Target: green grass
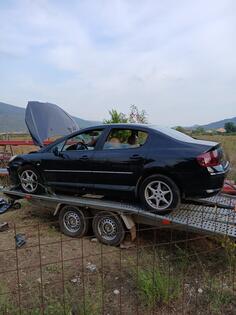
[(217, 299), (6, 305), (154, 285), (89, 304)]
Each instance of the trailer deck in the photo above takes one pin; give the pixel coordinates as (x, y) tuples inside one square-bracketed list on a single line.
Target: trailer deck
[(215, 215)]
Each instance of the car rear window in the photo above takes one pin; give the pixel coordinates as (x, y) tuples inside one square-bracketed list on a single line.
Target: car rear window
[(174, 134)]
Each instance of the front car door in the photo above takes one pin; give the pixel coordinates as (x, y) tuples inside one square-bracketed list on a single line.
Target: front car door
[(71, 165), (118, 163)]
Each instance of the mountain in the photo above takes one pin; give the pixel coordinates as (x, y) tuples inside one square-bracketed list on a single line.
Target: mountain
[(12, 119), (215, 124)]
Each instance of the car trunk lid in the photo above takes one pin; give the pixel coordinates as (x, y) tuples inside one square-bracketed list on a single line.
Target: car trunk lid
[(212, 155)]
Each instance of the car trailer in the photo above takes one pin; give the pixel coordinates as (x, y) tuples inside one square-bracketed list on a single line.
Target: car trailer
[(111, 218)]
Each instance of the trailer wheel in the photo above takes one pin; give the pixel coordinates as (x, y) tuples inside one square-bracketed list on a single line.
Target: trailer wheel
[(73, 221), (108, 228)]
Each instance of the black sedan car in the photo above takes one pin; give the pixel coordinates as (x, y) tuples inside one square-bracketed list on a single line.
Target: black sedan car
[(160, 166)]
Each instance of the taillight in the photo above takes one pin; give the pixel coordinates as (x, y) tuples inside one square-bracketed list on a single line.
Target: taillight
[(211, 158)]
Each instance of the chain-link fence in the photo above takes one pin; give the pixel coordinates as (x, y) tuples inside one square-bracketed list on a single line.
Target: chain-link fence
[(163, 271)]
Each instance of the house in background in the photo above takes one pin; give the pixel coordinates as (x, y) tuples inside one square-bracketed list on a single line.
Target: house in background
[(221, 130)]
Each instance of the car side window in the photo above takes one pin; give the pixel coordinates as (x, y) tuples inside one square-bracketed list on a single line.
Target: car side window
[(125, 139), (59, 146), (83, 141)]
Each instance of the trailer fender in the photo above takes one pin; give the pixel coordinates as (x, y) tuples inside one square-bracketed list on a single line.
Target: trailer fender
[(130, 225), (58, 207)]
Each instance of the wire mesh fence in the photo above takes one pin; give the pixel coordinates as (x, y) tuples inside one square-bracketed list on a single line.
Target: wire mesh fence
[(164, 271)]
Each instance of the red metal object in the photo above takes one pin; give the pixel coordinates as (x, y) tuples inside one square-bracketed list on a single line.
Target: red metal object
[(229, 187), (28, 197), (3, 172), (166, 222), (5, 156)]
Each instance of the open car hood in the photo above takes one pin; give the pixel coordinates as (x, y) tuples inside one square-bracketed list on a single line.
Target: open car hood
[(45, 120)]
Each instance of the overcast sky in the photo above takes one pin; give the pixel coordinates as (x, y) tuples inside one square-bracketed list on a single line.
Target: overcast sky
[(175, 59)]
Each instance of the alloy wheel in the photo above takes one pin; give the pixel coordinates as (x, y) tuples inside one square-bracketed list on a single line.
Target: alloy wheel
[(29, 181), (158, 195)]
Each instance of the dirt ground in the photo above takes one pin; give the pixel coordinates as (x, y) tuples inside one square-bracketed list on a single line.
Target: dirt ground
[(162, 272)]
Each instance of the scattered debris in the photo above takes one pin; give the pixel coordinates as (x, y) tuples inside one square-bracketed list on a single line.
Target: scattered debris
[(91, 267), (4, 226), (4, 205), (76, 280), (20, 240), (116, 292), (3, 170), (16, 205), (127, 245), (229, 187), (39, 280), (94, 240), (200, 290)]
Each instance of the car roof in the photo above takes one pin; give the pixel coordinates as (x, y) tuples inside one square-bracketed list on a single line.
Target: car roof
[(165, 131), (129, 125)]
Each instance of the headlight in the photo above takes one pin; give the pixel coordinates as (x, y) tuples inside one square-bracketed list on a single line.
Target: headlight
[(12, 158)]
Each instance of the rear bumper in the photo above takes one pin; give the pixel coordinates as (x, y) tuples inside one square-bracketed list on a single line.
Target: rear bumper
[(206, 188), (205, 183), (205, 193), (221, 169)]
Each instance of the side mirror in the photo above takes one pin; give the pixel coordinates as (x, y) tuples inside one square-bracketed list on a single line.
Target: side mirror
[(55, 151)]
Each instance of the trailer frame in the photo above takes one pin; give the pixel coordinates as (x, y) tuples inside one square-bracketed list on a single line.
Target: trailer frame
[(213, 216)]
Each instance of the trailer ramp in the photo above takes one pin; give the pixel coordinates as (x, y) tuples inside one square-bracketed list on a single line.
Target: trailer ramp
[(210, 216)]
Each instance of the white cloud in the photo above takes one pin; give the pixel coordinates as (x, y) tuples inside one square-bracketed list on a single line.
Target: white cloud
[(175, 59)]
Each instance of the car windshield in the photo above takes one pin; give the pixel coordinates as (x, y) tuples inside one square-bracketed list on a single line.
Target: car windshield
[(174, 134)]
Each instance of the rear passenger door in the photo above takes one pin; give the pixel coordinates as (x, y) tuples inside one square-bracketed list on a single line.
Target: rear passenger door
[(120, 161)]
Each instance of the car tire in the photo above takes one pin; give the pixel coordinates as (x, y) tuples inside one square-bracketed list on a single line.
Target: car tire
[(16, 205), (73, 221), (30, 180), (159, 194), (108, 228)]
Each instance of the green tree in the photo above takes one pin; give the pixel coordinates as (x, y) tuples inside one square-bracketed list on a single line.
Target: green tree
[(181, 129), (230, 127), (199, 130), (135, 116), (116, 117)]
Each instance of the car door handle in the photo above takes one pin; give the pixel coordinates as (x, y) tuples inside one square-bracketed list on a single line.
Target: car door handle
[(84, 158), (136, 157)]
